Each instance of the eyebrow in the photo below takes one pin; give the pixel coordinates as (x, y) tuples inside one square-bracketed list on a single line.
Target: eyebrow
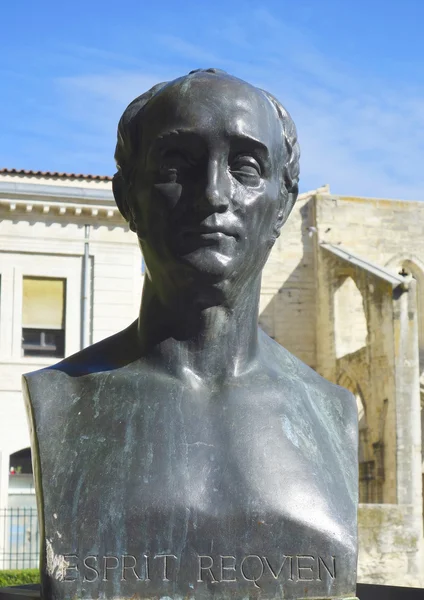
[(236, 136), (252, 142), (174, 132), (167, 135), (240, 140)]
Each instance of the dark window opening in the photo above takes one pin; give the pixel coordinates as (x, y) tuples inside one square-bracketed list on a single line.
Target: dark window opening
[(20, 462), (43, 342)]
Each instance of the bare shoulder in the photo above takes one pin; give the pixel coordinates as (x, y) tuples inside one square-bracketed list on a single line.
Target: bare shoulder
[(108, 354), (101, 358), (331, 399)]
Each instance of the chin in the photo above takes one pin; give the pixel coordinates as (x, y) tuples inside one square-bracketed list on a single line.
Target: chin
[(209, 265)]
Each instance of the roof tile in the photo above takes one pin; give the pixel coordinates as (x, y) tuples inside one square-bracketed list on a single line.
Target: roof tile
[(55, 174)]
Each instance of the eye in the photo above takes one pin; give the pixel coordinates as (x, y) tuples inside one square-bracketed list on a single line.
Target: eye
[(175, 159), (172, 163), (246, 167)]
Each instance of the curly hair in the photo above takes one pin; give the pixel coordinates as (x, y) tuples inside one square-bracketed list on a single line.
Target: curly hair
[(129, 136)]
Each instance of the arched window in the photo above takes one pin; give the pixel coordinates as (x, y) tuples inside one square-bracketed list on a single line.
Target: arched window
[(370, 458), (21, 481), (350, 323), (20, 462)]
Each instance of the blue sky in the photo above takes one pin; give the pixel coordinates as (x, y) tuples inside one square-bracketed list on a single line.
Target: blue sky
[(351, 73)]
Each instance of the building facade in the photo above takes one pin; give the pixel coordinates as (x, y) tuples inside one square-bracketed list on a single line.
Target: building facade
[(70, 275), (343, 290)]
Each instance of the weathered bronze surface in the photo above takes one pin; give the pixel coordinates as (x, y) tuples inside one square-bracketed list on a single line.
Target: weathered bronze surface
[(190, 455)]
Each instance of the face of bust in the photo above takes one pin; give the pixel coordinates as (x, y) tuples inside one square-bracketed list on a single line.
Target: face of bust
[(206, 194)]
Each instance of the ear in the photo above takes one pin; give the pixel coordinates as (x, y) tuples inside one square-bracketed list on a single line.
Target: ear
[(288, 200), (120, 193)]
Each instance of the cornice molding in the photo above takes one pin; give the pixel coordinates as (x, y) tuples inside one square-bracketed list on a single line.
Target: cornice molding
[(61, 201), (45, 207)]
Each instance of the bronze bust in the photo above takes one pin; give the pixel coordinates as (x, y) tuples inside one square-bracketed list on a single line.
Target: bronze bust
[(190, 455)]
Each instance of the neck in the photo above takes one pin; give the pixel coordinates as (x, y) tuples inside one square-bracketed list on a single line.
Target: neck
[(200, 344)]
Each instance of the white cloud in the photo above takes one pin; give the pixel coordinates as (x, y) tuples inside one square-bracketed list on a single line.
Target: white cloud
[(361, 135), (369, 144), (91, 106)]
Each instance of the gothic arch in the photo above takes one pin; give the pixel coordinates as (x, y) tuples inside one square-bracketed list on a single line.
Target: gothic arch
[(350, 320), (402, 257), (365, 458), (347, 382)]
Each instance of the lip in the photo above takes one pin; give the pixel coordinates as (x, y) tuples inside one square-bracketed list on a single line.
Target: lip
[(210, 232), (209, 236)]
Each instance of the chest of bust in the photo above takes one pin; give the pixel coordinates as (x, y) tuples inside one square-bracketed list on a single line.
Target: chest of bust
[(207, 452), (147, 469)]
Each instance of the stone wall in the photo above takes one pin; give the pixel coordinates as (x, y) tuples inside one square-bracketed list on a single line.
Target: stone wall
[(367, 371), (389, 233), (388, 545), (386, 369), (375, 229), (287, 305)]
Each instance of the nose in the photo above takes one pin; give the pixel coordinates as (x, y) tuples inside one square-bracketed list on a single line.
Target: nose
[(217, 191)]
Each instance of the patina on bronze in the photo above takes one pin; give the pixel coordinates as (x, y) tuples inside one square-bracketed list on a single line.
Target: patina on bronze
[(190, 455)]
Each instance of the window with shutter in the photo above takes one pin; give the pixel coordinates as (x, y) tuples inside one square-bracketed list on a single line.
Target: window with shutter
[(43, 316)]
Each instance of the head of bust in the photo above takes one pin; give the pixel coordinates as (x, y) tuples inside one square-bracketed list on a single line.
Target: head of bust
[(208, 170)]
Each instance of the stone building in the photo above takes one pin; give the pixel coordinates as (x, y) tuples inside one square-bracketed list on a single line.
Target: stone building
[(343, 289), (70, 275)]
